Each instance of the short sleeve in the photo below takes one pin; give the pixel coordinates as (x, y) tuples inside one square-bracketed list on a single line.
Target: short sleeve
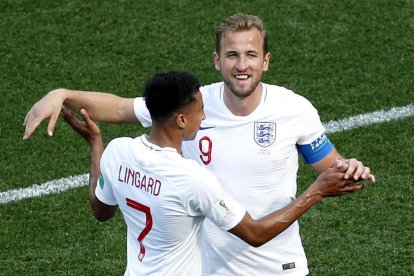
[(310, 123), (210, 200), (103, 190), (226, 212), (141, 112), (313, 143)]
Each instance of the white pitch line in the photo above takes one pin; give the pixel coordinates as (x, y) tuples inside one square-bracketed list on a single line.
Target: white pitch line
[(51, 187), (366, 119), (70, 182)]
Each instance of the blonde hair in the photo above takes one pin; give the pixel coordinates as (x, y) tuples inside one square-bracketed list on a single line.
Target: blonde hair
[(241, 22)]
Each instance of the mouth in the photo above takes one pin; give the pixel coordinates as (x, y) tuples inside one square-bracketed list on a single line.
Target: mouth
[(242, 77)]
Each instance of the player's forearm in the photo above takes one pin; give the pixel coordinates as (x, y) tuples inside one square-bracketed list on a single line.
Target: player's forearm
[(278, 221), (102, 107), (327, 162), (96, 153), (258, 232), (101, 211)]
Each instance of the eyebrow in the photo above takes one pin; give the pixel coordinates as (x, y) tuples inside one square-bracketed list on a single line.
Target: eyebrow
[(236, 52)]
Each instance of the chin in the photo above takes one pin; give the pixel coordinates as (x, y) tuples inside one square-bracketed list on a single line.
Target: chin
[(191, 138)]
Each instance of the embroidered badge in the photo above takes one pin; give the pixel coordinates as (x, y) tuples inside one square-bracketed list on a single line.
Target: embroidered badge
[(264, 133)]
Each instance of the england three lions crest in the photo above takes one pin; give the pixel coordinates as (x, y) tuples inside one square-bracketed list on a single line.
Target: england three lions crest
[(264, 133)]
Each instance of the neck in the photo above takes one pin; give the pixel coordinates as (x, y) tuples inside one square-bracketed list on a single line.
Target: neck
[(242, 106), (163, 136)]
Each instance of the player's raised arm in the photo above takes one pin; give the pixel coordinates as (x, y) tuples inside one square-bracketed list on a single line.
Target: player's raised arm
[(103, 107), (330, 183)]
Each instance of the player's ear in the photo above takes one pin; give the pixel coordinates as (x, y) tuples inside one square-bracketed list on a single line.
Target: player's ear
[(181, 120), (266, 60), (216, 58)]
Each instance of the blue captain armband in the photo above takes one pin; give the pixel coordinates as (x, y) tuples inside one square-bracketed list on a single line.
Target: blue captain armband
[(317, 150)]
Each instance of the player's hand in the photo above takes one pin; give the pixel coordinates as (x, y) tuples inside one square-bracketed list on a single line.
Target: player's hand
[(332, 182), (87, 129), (46, 108), (357, 171)]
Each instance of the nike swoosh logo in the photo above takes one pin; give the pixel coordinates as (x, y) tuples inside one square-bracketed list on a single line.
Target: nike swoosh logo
[(203, 128)]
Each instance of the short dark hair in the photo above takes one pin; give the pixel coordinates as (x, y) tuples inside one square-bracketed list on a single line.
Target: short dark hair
[(168, 92)]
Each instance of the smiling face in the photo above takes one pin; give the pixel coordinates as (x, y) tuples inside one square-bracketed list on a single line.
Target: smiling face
[(241, 61)]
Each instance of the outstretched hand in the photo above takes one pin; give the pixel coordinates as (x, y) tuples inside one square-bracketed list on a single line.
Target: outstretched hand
[(87, 129), (46, 108)]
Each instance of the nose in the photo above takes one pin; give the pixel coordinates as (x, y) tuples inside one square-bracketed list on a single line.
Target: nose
[(241, 64)]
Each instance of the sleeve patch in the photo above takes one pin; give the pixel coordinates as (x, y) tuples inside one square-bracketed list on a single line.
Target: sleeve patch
[(222, 207), (101, 181)]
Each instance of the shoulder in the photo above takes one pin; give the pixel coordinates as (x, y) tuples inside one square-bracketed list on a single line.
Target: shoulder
[(210, 89), (283, 92), (286, 97), (117, 147), (211, 97), (120, 142)]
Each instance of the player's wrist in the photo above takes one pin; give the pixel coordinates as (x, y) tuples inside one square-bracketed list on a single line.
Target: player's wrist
[(60, 93), (96, 142), (313, 194)]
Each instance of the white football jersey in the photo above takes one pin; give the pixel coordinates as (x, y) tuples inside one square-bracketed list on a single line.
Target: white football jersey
[(255, 158), (164, 199)]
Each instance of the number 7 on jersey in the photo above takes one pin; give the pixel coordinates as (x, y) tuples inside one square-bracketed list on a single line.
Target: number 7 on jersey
[(148, 224)]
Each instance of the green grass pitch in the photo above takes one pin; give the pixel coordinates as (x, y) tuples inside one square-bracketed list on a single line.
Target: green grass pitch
[(347, 57)]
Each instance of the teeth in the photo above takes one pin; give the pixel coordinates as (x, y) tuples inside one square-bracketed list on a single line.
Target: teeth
[(242, 77)]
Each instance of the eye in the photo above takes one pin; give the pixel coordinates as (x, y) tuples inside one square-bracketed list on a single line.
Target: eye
[(231, 55)]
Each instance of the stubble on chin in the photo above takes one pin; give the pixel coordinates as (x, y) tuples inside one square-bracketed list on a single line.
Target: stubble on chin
[(241, 93)]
